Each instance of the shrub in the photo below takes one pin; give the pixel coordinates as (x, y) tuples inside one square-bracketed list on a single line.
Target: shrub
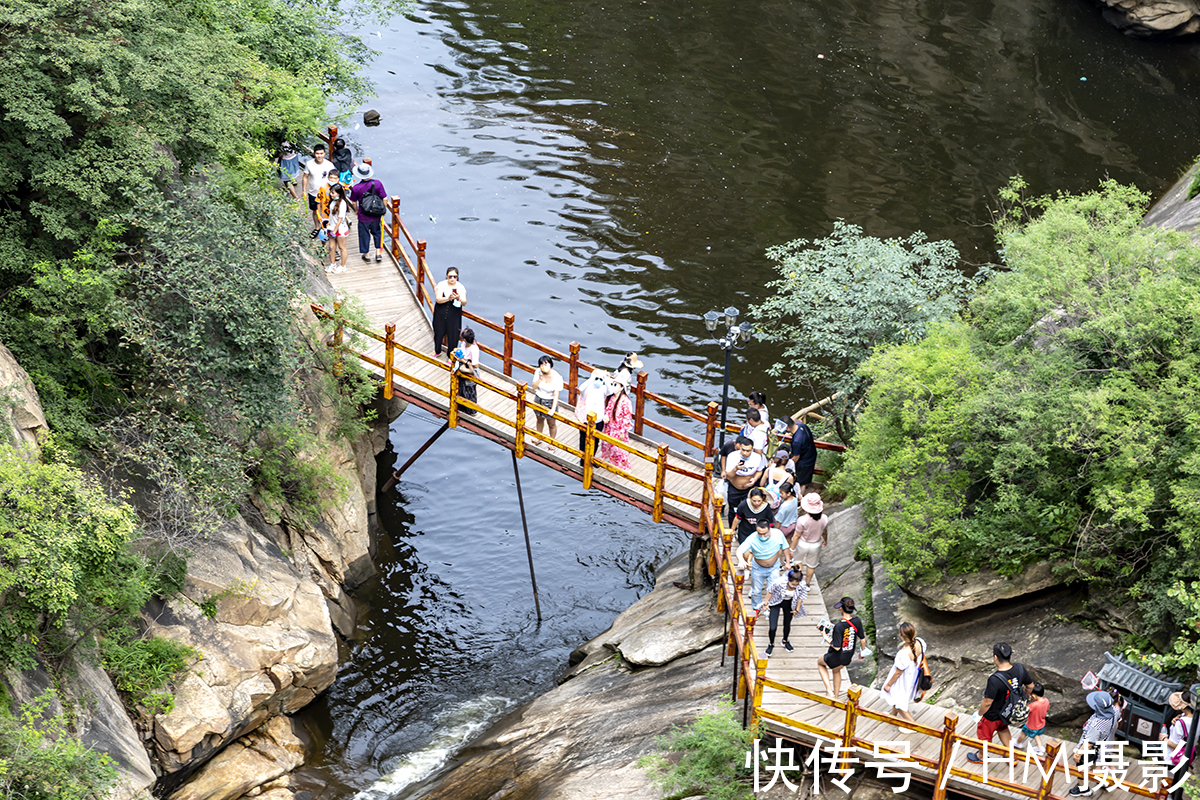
[(143, 668), (713, 758), (40, 760)]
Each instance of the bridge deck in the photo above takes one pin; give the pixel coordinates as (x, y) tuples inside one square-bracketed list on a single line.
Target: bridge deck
[(388, 298)]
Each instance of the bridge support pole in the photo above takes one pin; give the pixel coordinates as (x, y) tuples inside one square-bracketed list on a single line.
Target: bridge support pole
[(387, 487), (528, 548)]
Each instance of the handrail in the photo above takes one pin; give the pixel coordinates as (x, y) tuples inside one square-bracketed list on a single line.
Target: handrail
[(409, 255), (520, 431), (752, 680)]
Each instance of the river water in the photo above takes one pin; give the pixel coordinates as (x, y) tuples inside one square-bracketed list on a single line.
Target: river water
[(608, 171)]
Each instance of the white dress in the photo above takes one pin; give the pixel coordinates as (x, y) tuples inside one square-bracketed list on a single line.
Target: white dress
[(905, 687)]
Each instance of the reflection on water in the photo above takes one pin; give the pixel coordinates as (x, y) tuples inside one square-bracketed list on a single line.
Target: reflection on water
[(609, 171)]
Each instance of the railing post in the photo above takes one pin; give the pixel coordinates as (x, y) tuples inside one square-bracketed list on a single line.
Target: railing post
[(950, 723), (853, 694), (519, 431), (573, 380), (639, 412), (1048, 780), (760, 672), (508, 344), (395, 204), (706, 489), (421, 274), (589, 448), (710, 431), (332, 139), (452, 416), (337, 331), (722, 575), (660, 481), (389, 356)]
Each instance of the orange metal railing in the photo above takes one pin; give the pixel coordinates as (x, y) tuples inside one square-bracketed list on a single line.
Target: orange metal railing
[(752, 681)]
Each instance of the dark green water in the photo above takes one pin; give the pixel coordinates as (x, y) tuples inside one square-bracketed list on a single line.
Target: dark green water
[(608, 171)]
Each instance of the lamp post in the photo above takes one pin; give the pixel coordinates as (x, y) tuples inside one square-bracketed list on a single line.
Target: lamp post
[(737, 337)]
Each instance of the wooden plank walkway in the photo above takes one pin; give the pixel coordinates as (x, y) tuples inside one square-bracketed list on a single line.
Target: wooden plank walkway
[(388, 297), (798, 670)]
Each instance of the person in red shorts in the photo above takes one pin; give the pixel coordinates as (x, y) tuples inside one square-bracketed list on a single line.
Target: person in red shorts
[(1007, 679)]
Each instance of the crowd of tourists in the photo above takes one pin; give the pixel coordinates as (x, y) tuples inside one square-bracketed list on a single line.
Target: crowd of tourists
[(336, 186)]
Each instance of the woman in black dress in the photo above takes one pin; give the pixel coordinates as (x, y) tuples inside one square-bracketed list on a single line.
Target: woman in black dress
[(450, 296)]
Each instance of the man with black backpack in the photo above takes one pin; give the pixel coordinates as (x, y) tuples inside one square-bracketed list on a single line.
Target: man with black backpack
[(1005, 700), (370, 199)]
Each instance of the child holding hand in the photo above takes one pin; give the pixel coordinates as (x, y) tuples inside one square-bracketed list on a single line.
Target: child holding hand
[(1031, 732)]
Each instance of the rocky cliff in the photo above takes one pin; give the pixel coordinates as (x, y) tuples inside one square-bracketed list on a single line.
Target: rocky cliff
[(263, 602)]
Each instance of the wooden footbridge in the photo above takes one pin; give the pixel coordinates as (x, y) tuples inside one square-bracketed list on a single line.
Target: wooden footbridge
[(672, 481)]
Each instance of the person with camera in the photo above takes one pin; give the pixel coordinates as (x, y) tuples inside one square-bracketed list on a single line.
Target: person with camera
[(742, 470), (843, 638)]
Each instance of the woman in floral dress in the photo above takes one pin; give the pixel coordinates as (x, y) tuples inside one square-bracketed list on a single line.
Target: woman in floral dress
[(618, 421)]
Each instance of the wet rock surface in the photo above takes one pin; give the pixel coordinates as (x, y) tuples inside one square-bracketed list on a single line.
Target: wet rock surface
[(662, 626), (1154, 19)]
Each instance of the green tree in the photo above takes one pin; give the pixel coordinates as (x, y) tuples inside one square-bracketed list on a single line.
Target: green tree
[(63, 549), (712, 756), (1071, 433), (840, 297)]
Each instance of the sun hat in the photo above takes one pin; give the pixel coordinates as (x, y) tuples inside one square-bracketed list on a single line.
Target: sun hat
[(622, 377), (1101, 703), (632, 361), (1177, 702), (364, 172), (811, 503)]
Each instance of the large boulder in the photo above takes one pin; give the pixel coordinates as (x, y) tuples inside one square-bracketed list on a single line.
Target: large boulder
[(21, 409), (258, 759), (1154, 19), (978, 589), (582, 739), (662, 626), (263, 630)]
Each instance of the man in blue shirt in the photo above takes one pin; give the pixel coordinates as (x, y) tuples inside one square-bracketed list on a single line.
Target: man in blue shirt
[(763, 553)]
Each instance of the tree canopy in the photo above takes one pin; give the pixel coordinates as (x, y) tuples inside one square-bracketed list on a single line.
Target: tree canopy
[(840, 297), (1057, 419)]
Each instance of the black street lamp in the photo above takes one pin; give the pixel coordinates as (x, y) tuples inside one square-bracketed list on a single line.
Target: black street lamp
[(737, 337)]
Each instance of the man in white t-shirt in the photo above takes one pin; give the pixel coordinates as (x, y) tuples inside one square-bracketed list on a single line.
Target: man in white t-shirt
[(756, 430), (315, 175), (743, 468)]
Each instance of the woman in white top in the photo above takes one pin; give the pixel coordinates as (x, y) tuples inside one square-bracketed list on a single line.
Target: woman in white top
[(1176, 736), (450, 296), (901, 685), (547, 384), (776, 474), (467, 363)]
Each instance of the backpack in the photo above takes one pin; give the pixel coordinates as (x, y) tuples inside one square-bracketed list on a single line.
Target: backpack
[(372, 204), (1016, 707), (924, 676)]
